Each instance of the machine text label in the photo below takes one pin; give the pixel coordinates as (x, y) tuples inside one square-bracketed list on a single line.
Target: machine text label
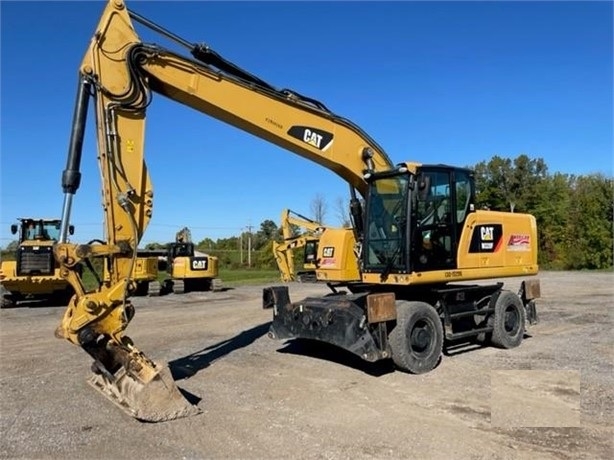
[(199, 264), (317, 138)]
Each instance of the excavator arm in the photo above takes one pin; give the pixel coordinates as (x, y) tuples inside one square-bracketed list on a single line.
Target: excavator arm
[(284, 251), (183, 236), (122, 73)]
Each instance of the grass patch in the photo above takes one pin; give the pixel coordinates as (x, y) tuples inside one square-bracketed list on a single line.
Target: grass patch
[(246, 276), (230, 277)]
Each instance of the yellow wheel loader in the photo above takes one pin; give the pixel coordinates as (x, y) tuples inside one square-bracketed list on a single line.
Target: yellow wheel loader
[(421, 242), (34, 274)]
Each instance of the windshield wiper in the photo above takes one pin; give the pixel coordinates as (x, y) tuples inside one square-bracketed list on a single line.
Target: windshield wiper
[(390, 264)]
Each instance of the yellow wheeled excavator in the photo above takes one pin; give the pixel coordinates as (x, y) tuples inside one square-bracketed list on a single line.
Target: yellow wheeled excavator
[(420, 237)]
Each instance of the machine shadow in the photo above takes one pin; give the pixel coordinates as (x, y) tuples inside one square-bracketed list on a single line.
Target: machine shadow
[(332, 353), (452, 349), (189, 365)]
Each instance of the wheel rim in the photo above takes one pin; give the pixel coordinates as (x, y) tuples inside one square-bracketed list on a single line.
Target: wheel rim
[(511, 320), (421, 337)]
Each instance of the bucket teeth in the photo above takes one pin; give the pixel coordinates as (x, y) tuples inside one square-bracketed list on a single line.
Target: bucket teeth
[(158, 400)]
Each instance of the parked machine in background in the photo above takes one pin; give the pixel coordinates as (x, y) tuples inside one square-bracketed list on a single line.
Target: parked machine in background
[(189, 270), (34, 274), (284, 251), (329, 253), (145, 277)]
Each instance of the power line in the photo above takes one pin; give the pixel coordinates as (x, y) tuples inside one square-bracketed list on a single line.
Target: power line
[(89, 224)]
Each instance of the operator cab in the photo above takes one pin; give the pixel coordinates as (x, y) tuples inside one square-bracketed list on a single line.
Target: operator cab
[(311, 252), (38, 229), (180, 250), (414, 221)]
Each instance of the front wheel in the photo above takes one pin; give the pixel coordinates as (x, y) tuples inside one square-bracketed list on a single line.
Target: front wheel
[(508, 322), (417, 339), (7, 300)]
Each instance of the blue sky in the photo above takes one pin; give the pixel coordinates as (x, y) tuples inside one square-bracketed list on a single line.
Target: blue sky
[(433, 82)]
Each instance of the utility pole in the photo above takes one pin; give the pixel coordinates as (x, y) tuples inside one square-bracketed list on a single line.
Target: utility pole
[(249, 246), (241, 246)]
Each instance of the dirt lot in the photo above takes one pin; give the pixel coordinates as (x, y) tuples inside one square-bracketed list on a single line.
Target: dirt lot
[(553, 397)]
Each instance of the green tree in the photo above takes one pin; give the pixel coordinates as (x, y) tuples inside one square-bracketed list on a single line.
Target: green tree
[(155, 246), (207, 244), (551, 210), (589, 231), (265, 257), (268, 232), (506, 185), (231, 243)]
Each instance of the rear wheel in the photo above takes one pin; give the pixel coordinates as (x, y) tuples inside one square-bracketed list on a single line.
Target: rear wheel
[(508, 322), (6, 301), (417, 339)]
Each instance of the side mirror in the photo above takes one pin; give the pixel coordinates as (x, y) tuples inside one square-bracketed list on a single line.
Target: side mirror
[(14, 228), (71, 229)]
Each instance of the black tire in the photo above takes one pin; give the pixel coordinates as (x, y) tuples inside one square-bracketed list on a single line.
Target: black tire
[(6, 299), (142, 289), (508, 322), (417, 339)]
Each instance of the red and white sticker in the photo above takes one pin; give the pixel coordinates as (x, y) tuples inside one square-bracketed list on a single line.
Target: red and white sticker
[(328, 262), (519, 243)]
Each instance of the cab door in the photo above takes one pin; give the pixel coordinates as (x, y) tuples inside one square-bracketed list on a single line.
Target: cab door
[(441, 201)]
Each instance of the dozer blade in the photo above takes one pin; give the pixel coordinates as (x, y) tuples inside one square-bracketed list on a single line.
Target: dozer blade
[(158, 400)]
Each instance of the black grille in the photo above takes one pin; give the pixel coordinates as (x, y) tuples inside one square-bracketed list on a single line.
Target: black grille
[(35, 260)]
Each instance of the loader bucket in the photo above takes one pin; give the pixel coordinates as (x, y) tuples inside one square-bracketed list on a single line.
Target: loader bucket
[(158, 400)]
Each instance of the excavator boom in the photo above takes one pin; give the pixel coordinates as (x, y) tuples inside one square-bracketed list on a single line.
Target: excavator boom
[(122, 73)]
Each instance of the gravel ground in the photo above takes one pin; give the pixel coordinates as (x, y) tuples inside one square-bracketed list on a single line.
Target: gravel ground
[(552, 397)]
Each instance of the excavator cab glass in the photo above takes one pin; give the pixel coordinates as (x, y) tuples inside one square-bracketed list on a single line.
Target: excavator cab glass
[(386, 232), (311, 252), (413, 223), (181, 250)]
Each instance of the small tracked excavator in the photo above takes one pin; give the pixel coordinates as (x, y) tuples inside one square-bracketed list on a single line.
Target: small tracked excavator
[(422, 244), (188, 270)]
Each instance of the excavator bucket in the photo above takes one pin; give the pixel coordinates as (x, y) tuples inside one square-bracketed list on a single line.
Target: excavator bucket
[(157, 400)]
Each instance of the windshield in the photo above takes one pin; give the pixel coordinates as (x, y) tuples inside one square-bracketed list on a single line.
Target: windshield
[(386, 225), (40, 230)]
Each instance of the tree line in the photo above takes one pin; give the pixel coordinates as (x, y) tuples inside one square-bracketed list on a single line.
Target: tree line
[(574, 215)]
